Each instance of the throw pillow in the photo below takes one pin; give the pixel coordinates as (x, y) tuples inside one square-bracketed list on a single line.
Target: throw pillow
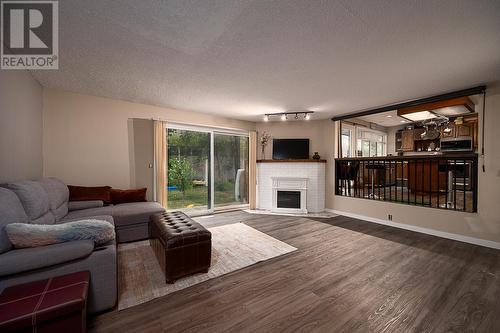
[(23, 235), (85, 193), (124, 196)]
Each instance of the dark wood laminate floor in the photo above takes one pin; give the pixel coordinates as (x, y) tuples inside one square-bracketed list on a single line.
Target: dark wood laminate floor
[(347, 276)]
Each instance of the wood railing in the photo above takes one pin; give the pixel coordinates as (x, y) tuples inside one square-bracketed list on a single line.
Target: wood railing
[(437, 181)]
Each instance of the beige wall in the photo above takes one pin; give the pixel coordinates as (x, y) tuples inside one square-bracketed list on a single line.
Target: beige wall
[(88, 140), (484, 225), (321, 135), (21, 126)]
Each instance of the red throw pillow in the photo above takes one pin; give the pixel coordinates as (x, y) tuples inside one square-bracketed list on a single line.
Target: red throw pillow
[(124, 196), (86, 193)]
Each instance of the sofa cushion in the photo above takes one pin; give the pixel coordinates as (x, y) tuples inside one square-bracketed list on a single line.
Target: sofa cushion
[(83, 193), (107, 218), (79, 205), (22, 260), (11, 211), (135, 212), (34, 199), (126, 196), (58, 195), (86, 213)]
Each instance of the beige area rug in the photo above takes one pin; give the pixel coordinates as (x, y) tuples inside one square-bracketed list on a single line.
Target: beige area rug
[(234, 247)]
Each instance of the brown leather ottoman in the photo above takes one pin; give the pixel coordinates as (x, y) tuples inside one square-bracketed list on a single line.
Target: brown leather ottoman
[(182, 246), (53, 305)]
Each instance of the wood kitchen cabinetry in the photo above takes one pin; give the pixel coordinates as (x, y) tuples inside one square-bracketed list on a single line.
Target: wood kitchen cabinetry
[(417, 133), (424, 176), (407, 140), (469, 128)]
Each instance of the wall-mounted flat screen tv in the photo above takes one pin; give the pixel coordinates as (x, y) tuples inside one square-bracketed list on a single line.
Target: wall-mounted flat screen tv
[(290, 149)]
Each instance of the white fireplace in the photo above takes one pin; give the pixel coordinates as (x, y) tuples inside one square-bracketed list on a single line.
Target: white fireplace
[(281, 184), (289, 195)]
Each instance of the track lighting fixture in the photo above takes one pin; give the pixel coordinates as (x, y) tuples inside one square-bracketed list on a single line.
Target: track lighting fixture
[(305, 115)]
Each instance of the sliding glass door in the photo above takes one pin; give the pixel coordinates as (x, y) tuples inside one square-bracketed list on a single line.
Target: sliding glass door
[(188, 169), (230, 170), (207, 170)]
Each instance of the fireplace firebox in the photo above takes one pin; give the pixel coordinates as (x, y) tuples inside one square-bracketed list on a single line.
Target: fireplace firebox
[(288, 199)]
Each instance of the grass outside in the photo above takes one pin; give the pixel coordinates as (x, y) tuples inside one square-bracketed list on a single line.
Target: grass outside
[(198, 196)]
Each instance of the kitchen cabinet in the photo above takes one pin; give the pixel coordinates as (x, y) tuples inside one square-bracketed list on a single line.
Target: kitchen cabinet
[(424, 177), (468, 128), (407, 141), (402, 171), (417, 133), (450, 134), (464, 129), (473, 127)]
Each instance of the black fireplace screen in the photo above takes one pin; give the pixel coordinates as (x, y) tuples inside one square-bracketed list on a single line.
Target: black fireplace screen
[(288, 199)]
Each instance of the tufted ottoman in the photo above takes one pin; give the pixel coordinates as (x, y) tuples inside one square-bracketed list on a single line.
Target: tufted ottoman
[(182, 246)]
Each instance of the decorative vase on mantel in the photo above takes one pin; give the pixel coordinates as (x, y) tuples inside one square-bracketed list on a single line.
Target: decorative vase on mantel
[(264, 140), (316, 156)]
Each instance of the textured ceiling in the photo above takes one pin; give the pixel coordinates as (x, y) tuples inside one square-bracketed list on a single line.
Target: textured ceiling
[(242, 59)]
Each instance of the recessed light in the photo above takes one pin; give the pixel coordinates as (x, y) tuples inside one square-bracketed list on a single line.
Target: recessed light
[(403, 121), (389, 116)]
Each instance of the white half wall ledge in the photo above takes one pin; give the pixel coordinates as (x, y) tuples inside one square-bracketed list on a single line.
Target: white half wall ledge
[(432, 232)]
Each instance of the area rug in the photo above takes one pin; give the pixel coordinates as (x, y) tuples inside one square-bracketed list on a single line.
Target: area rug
[(234, 246)]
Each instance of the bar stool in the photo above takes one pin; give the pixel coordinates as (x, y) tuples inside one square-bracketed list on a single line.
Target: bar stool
[(374, 168), (450, 168), (350, 174)]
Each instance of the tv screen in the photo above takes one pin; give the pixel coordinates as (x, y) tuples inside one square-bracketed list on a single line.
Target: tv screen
[(290, 149)]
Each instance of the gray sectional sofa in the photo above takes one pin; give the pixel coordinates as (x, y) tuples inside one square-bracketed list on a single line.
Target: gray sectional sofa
[(46, 202)]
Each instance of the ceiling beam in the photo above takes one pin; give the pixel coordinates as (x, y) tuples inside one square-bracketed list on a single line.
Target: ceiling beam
[(414, 103)]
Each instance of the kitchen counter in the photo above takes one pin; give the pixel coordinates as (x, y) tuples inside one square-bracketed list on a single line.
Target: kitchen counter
[(415, 155)]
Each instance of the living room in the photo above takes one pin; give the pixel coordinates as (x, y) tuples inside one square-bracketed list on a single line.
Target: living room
[(250, 166)]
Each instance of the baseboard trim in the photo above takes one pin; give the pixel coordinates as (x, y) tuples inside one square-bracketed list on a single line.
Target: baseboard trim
[(442, 234)]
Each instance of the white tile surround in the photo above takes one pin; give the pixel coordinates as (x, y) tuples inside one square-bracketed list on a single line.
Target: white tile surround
[(314, 172)]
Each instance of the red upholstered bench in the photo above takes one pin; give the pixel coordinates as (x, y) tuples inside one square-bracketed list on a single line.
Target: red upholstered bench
[(53, 305)]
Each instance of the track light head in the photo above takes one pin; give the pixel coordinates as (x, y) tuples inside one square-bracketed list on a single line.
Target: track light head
[(266, 117), (283, 117)]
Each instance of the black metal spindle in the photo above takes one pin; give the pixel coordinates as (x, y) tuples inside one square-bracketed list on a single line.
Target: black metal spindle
[(438, 183), (407, 185), (474, 185), (466, 169), (454, 184), (430, 183), (422, 184), (385, 180)]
